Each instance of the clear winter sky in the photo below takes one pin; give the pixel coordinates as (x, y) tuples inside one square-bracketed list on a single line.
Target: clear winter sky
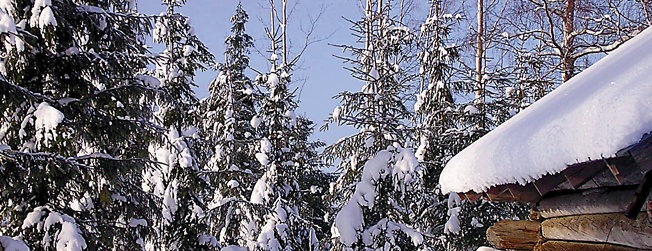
[(324, 74)]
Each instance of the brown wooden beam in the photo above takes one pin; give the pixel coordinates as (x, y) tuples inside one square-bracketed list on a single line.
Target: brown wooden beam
[(622, 167), (579, 174), (640, 196), (497, 193), (642, 153), (527, 193), (472, 196), (548, 182)]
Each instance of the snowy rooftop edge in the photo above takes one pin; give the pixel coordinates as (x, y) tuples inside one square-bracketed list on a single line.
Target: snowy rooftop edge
[(598, 112)]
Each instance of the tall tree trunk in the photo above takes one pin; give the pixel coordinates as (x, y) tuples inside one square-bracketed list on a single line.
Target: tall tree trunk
[(479, 61), (273, 32), (368, 54), (285, 33), (568, 62)]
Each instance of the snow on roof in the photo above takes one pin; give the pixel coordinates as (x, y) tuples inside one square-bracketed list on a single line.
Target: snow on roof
[(598, 112)]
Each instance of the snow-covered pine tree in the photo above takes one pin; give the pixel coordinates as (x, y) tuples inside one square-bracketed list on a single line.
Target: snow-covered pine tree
[(379, 189), (229, 124), (291, 180), (177, 180), (75, 125)]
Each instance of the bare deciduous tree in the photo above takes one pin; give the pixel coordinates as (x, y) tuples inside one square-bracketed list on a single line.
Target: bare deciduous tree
[(575, 29)]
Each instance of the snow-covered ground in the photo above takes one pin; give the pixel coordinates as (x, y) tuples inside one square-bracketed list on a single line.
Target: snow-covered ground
[(596, 113)]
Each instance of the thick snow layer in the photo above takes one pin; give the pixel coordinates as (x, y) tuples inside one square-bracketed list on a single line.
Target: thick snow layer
[(47, 117), (33, 218), (187, 50), (453, 223), (8, 26), (47, 18), (150, 81), (267, 240), (292, 116), (6, 6), (605, 108), (486, 249), (255, 122), (169, 201), (12, 244), (234, 248), (260, 194), (36, 11), (138, 222), (69, 237), (272, 80), (206, 239), (262, 158), (47, 120), (233, 184)]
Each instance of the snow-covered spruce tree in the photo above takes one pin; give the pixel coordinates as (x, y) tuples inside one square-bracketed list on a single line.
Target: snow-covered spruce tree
[(290, 186), (229, 125), (435, 106), (177, 180), (447, 124), (509, 87), (437, 118), (375, 198), (527, 79), (75, 125), (313, 183), (289, 189)]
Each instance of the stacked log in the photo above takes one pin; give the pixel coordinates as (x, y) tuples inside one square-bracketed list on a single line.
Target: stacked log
[(578, 246), (586, 220), (594, 201), (601, 228)]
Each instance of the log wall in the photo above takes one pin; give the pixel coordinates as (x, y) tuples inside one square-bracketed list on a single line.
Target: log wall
[(587, 220)]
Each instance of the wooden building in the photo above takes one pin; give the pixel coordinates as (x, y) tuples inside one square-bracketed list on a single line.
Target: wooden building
[(595, 205), (588, 179)]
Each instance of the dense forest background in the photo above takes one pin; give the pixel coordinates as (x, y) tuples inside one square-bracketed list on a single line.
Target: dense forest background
[(104, 144)]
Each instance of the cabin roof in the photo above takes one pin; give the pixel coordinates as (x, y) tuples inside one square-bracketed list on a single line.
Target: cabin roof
[(627, 167), (583, 130)]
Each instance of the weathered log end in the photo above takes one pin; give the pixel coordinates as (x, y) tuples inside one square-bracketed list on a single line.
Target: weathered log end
[(535, 215), (579, 246), (514, 234)]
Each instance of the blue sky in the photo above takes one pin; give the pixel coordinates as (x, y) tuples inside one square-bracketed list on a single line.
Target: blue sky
[(324, 74)]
